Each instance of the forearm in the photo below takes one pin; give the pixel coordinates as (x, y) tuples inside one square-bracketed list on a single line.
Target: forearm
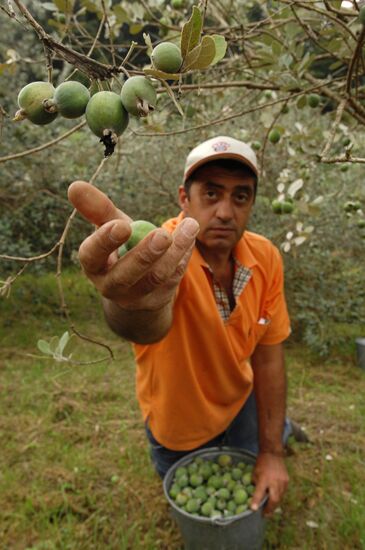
[(138, 326), (270, 391)]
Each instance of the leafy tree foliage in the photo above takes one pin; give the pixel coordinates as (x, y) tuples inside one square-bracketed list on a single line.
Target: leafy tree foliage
[(280, 54)]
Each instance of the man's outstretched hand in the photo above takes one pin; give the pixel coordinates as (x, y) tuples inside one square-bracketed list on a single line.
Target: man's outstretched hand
[(144, 279)]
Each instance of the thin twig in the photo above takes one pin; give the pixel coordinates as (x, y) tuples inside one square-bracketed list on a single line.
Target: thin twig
[(44, 146), (339, 113)]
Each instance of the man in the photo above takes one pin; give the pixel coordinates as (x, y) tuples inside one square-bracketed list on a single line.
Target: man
[(202, 301)]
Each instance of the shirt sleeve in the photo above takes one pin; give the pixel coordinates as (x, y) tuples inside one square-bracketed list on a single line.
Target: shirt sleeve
[(275, 308)]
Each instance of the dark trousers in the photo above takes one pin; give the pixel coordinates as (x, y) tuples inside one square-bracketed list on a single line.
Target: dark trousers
[(242, 433)]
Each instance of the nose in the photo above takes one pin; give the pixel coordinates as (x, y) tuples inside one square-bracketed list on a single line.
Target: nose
[(224, 210)]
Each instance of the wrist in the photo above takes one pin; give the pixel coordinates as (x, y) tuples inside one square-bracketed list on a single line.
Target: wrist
[(278, 451)]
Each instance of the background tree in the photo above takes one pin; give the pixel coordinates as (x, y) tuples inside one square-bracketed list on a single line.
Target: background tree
[(291, 84)]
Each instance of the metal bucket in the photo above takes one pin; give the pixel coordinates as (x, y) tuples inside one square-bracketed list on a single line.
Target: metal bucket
[(244, 531), (360, 351)]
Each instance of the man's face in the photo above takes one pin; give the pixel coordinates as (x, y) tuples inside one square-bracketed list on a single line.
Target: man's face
[(221, 202)]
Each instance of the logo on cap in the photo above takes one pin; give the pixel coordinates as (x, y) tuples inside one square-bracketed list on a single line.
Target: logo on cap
[(220, 146)]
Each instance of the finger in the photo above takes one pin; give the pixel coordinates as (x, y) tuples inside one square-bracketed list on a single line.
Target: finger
[(95, 251), (169, 250), (93, 204), (273, 502), (140, 260), (258, 496), (175, 260)]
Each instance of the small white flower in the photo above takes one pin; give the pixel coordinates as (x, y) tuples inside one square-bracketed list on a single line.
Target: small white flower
[(312, 524)]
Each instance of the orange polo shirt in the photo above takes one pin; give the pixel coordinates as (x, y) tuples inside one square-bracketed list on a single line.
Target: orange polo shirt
[(193, 382)]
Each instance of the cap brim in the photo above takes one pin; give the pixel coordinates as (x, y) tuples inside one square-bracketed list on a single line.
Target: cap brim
[(216, 156)]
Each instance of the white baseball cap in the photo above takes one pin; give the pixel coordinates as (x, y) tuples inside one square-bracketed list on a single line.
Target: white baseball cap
[(221, 147)]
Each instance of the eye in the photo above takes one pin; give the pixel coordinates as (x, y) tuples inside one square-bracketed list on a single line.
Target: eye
[(211, 194), (242, 198)]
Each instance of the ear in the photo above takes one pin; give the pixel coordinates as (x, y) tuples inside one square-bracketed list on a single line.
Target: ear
[(183, 198)]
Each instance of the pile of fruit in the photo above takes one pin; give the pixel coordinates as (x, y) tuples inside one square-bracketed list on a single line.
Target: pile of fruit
[(213, 488)]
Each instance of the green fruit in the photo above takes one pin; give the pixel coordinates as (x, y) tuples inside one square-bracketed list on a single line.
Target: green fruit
[(256, 145), (207, 509), (287, 207), (201, 494), (181, 499), (285, 109), (313, 100), (246, 478), (362, 15), (138, 96), (174, 490), (70, 99), (241, 508), (346, 141), (177, 4), (192, 505), (344, 167), (30, 101), (183, 481), (196, 480), (192, 468), (274, 135), (361, 224), (106, 118), (215, 482), (105, 114), (348, 206), (236, 473), (276, 206), (141, 228), (231, 506), (167, 57), (223, 493), (224, 460), (181, 470), (205, 470), (240, 496)]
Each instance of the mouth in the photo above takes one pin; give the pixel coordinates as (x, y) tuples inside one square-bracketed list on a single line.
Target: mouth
[(222, 230)]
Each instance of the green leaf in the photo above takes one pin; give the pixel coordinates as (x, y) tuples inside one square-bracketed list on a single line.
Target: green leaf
[(220, 48), (65, 6), (276, 48), (148, 42), (191, 57), (191, 31), (49, 6), (44, 347), (206, 54), (120, 14), (63, 342), (161, 75), (92, 6), (302, 102), (135, 28)]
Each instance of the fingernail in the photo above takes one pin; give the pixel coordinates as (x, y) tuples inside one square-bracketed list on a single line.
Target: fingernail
[(254, 507), (159, 241), (189, 227)]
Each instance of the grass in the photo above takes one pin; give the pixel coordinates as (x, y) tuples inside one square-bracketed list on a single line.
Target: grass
[(74, 465)]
